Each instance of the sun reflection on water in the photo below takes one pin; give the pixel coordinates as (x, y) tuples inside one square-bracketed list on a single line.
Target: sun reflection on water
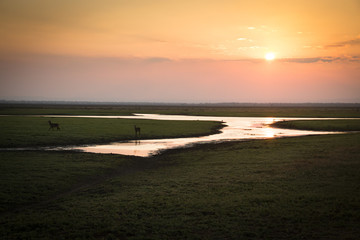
[(236, 129), (269, 132), (269, 120)]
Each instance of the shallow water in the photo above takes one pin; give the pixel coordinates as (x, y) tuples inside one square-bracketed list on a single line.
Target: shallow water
[(237, 128)]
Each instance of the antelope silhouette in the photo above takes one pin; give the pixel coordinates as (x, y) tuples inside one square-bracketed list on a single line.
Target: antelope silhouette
[(137, 131), (54, 125)]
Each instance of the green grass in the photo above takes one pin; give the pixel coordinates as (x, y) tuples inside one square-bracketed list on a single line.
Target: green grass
[(20, 131), (183, 110), (321, 125), (288, 188), (291, 188), (28, 177), (66, 110), (266, 111)]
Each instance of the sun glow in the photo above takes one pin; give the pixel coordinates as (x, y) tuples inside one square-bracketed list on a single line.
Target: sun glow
[(270, 56)]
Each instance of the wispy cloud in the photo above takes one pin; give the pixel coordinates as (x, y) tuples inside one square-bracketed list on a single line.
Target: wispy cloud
[(59, 59), (244, 39), (157, 60), (351, 42), (52, 58), (301, 60), (322, 59), (334, 45)]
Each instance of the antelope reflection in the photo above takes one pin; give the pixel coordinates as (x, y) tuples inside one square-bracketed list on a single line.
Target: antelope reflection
[(137, 131)]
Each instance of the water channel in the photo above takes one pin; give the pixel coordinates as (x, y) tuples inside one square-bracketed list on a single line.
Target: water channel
[(237, 128)]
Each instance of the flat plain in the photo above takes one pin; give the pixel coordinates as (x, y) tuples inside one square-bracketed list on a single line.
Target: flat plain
[(289, 188)]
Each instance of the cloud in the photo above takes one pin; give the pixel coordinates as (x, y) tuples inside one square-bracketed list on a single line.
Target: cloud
[(351, 42), (335, 45), (50, 77), (325, 59), (64, 60), (322, 59), (157, 59), (300, 60), (355, 41)]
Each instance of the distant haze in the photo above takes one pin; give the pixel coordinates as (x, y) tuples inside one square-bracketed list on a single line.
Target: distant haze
[(180, 51)]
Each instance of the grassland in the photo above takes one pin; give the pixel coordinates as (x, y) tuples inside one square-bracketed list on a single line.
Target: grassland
[(183, 110), (321, 125), (289, 188), (294, 188), (20, 131)]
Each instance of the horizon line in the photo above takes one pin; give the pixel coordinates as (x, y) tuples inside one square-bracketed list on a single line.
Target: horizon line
[(150, 103)]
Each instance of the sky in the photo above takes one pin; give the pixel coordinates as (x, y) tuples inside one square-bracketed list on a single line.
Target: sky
[(189, 51)]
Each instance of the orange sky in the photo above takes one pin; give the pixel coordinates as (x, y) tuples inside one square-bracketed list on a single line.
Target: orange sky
[(180, 51)]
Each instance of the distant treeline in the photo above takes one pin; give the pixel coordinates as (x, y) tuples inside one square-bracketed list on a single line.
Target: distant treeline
[(225, 104)]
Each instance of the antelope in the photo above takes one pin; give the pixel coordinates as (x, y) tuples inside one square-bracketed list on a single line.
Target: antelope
[(137, 131), (54, 125)]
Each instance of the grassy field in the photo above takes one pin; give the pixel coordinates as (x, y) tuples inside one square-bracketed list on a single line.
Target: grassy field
[(28, 177), (183, 110), (321, 125), (289, 188), (20, 131), (293, 188)]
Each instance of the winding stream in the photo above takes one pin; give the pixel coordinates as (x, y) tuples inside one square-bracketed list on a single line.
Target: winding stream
[(237, 128)]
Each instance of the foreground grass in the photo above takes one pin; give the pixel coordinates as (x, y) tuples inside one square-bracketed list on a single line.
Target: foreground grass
[(28, 177), (183, 110), (321, 125), (20, 131), (291, 188)]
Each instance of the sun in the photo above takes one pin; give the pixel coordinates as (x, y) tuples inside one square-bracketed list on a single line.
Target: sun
[(270, 56)]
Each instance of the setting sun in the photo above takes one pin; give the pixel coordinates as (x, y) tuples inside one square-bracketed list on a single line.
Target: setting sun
[(270, 56)]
